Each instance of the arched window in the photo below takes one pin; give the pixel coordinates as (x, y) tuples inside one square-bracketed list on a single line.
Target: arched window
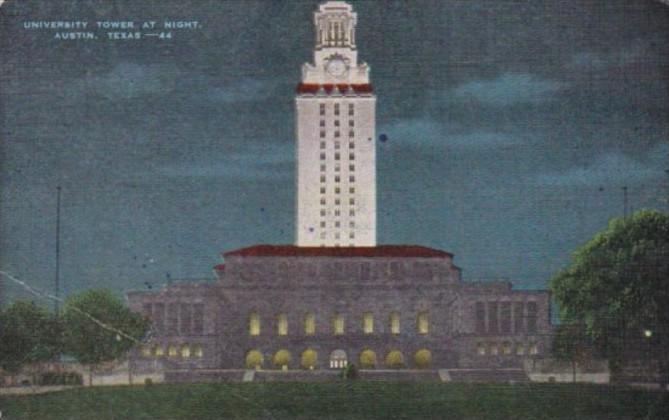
[(197, 351), (158, 351), (309, 324), (494, 350), (367, 323), (172, 350), (338, 359), (520, 349), (394, 322), (282, 324), (422, 358), (185, 351), (394, 359), (282, 359), (338, 324), (423, 323), (254, 324), (506, 348), (367, 359), (147, 350), (308, 359), (254, 359), (534, 349)]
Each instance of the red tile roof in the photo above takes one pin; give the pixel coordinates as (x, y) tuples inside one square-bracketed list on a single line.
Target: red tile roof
[(313, 88), (413, 251), (219, 267)]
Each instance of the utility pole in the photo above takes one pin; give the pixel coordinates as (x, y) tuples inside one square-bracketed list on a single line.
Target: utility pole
[(57, 249)]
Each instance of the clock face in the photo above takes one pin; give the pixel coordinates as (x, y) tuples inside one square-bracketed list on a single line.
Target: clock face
[(336, 67)]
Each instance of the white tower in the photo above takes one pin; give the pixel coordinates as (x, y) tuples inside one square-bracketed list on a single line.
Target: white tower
[(336, 156)]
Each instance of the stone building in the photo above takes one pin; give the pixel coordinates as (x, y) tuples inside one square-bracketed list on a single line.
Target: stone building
[(336, 297)]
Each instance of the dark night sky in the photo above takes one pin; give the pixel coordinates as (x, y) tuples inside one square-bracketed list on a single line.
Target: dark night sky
[(512, 128)]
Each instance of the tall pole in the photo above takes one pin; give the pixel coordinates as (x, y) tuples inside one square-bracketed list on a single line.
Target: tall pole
[(625, 201), (57, 249)]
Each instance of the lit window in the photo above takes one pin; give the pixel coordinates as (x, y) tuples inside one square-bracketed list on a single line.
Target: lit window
[(158, 351), (172, 350), (493, 349), (395, 323), (423, 323), (147, 351), (351, 178), (534, 349), (520, 349), (322, 109), (254, 324), (185, 351), (480, 349), (309, 324), (506, 348), (282, 324), (197, 351), (367, 323), (338, 324)]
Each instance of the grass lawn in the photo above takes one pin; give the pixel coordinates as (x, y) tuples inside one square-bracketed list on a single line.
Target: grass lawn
[(352, 400)]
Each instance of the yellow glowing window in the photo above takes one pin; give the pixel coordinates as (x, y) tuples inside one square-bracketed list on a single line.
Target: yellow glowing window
[(254, 324), (309, 324), (185, 351), (367, 323), (147, 351), (282, 324), (480, 349), (534, 349), (395, 323), (423, 323), (520, 349), (159, 351), (338, 324), (197, 351), (506, 348), (172, 351)]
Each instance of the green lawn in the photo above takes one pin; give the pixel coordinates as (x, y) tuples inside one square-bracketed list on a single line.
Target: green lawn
[(352, 400)]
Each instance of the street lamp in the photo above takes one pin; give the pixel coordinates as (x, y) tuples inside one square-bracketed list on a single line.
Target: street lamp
[(648, 334)]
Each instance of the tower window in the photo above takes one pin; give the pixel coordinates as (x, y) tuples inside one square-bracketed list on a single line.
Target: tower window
[(337, 212), (336, 237), (351, 235), (323, 167), (337, 190), (337, 156), (254, 324), (367, 323), (323, 213), (322, 190), (351, 178), (338, 324), (322, 109), (423, 323), (351, 109), (337, 223), (351, 156), (336, 133), (337, 167), (282, 324), (336, 123), (323, 201), (322, 178), (337, 144), (322, 156), (351, 212), (351, 201), (351, 190), (350, 168), (336, 109), (351, 123), (309, 324), (322, 145), (351, 134), (322, 123), (351, 224), (322, 134), (337, 178), (394, 323), (323, 235), (337, 201), (351, 145), (323, 224)]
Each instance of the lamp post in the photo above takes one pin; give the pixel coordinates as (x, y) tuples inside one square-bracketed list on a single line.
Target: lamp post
[(647, 335)]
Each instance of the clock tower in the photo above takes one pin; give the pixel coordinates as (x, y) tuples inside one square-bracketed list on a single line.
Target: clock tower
[(335, 130)]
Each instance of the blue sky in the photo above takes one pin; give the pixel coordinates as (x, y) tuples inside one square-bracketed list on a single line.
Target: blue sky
[(512, 129)]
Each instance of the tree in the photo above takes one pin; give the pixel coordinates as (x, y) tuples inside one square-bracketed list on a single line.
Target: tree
[(571, 343), (91, 343), (29, 335), (617, 285)]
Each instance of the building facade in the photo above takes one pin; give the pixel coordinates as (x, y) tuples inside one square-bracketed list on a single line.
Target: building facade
[(336, 297)]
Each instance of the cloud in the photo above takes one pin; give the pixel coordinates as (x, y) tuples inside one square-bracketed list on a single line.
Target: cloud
[(611, 168), (426, 133), (256, 162), (130, 80), (244, 90), (507, 89)]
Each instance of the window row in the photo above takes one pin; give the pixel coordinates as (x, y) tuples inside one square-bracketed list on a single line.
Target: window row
[(506, 348), (184, 351), (337, 145), (337, 156), (506, 317), (338, 323), (367, 359), (337, 190), (337, 202), (337, 178), (337, 167), (336, 109), (351, 123), (176, 318)]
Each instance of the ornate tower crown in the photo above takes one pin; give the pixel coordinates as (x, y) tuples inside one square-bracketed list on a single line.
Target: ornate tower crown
[(335, 25)]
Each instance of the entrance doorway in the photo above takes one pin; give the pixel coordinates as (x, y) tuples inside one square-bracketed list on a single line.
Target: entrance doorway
[(338, 359)]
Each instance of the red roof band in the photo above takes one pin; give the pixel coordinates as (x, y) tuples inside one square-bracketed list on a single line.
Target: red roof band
[(414, 251), (329, 87)]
